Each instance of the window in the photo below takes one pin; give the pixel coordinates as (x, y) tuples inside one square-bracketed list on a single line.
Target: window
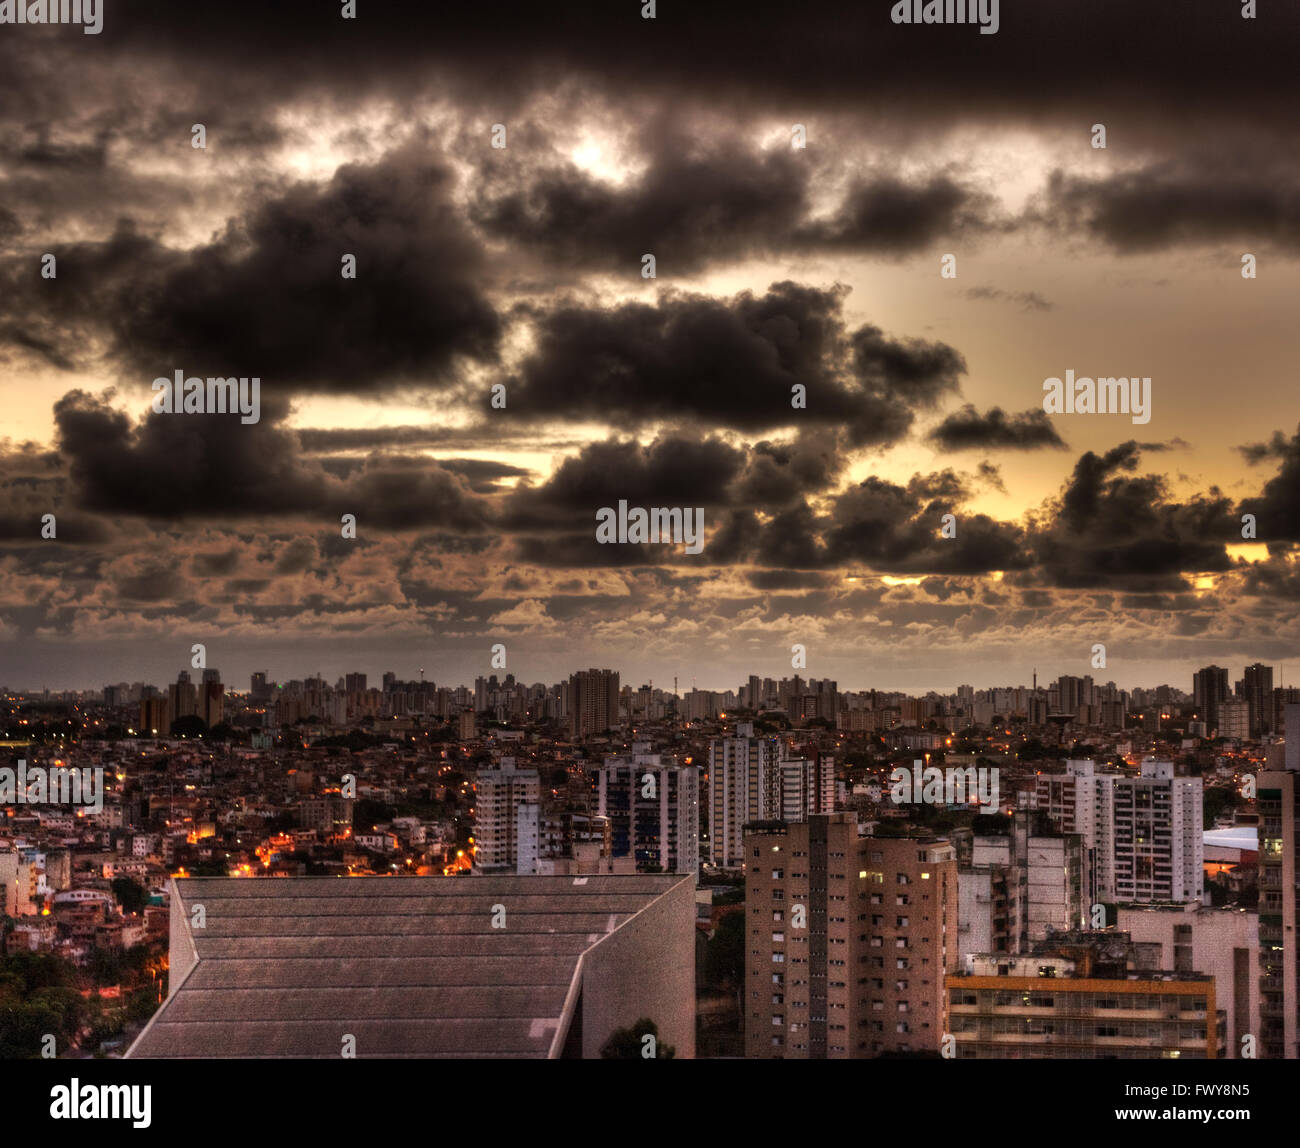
[(778, 937), (778, 958), (778, 874), (778, 915)]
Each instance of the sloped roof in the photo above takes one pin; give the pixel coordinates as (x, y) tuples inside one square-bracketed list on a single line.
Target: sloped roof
[(409, 966)]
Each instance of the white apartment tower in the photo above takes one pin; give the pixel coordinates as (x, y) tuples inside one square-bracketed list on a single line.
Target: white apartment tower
[(653, 807), (499, 796), (752, 779), (1142, 834)]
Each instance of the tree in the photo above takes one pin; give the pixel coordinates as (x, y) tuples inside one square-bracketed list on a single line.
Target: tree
[(724, 960), (130, 894), (368, 812), (38, 997), (630, 1043), (191, 725)]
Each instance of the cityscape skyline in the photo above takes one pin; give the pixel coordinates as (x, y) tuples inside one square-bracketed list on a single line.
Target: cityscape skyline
[(1101, 676)]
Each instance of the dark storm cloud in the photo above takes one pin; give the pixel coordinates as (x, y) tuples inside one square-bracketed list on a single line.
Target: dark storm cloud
[(1279, 446), (177, 466), (913, 372), (42, 152), (728, 481), (300, 555), (483, 475), (896, 529), (732, 363), (778, 473), (213, 466), (66, 321), (580, 549), (268, 298), (677, 470), (991, 475), (670, 471), (703, 203), (789, 580), (9, 225), (1277, 507), (968, 429), (33, 484), (70, 529), (688, 209), (150, 578), (886, 528), (1167, 205), (1112, 526), (886, 215), (1273, 580), (823, 54), (215, 563)]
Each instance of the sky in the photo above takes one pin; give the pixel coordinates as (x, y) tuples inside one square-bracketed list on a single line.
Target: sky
[(780, 270)]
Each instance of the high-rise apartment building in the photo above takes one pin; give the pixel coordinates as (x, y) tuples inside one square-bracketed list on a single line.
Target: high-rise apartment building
[(1158, 826), (212, 700), (1234, 719), (1142, 834), (1257, 689), (1019, 887), (753, 779), (1278, 801), (182, 699), (1283, 696), (653, 807), (1209, 690), (593, 702), (498, 796), (154, 716), (847, 940)]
